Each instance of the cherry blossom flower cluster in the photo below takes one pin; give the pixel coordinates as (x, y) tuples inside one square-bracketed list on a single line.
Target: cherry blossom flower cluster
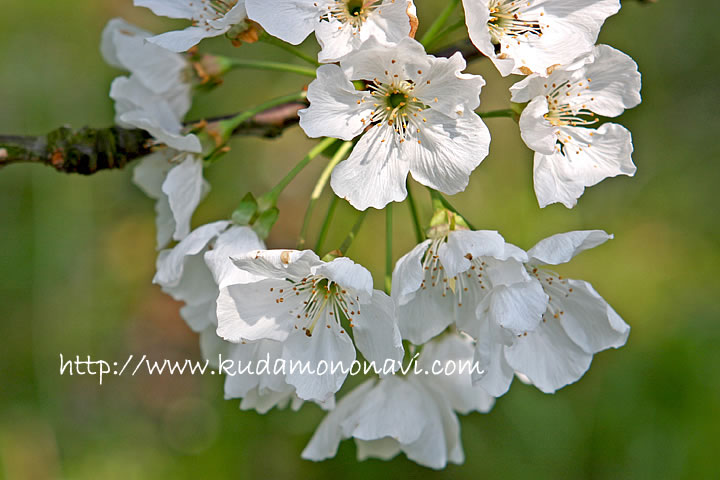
[(386, 109)]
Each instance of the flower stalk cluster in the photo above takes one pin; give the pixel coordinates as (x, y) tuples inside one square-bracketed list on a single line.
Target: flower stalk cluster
[(384, 110)]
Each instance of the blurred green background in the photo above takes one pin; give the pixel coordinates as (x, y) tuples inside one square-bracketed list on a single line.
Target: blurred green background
[(77, 257)]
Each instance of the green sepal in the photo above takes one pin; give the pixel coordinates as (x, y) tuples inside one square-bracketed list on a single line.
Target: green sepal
[(245, 212), (444, 221), (265, 222), (330, 256)]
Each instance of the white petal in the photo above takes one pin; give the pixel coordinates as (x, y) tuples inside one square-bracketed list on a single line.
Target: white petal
[(394, 408), (151, 170), (463, 243), (185, 187), (234, 242), (375, 332), (196, 285), (562, 247), (537, 133), (518, 307), (336, 40), (441, 435), (447, 151), (108, 45), (184, 40), (236, 15), (548, 357), (336, 108), (289, 20), (375, 173), (374, 58), (589, 321), (170, 266), (447, 90), (248, 355), (408, 273), (348, 275), (160, 122), (171, 9), (124, 46), (263, 403), (201, 316), (457, 388), (497, 375), (477, 16), (426, 315), (252, 312), (279, 264), (324, 442), (590, 156), (615, 84), (327, 345), (164, 222)]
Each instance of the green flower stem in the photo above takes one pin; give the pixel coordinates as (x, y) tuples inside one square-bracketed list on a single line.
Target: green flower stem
[(274, 66), (419, 234), (226, 127), (319, 187), (269, 199), (498, 113), (326, 223), (345, 246), (439, 23), (269, 39), (447, 31), (388, 247)]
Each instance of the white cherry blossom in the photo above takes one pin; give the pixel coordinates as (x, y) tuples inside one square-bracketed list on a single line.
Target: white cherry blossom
[(414, 414), (310, 306), (416, 116), (193, 272), (569, 155), (477, 281), (340, 26), (465, 277), (577, 324), (535, 36), (210, 18)]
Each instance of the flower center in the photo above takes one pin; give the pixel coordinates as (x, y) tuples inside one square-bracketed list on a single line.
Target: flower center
[(459, 285), (351, 12), (396, 106), (566, 104), (322, 300), (506, 18)]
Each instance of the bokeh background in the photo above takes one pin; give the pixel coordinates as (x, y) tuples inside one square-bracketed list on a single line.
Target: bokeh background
[(77, 258)]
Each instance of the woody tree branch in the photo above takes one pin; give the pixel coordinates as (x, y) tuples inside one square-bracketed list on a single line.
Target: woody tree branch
[(89, 150)]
